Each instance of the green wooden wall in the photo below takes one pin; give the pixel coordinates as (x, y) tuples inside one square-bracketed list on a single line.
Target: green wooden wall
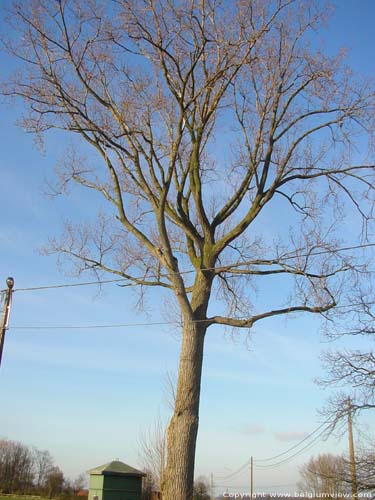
[(112, 487)]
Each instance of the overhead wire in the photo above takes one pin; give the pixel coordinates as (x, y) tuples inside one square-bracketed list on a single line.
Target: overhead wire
[(294, 446), (149, 323), (70, 285), (323, 426), (129, 325), (234, 473), (89, 327), (261, 486), (123, 325), (128, 284), (277, 464), (308, 446), (226, 268), (317, 439)]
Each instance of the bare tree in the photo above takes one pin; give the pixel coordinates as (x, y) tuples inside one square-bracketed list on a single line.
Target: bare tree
[(352, 370), (79, 483), (365, 465), (149, 485), (54, 483), (205, 116), (16, 467), (201, 489), (355, 369), (152, 451), (330, 475), (325, 475), (43, 462)]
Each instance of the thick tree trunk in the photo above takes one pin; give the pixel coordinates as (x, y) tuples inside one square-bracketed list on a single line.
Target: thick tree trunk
[(183, 428)]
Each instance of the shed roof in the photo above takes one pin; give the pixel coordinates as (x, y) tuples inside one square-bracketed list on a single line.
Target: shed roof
[(115, 468)]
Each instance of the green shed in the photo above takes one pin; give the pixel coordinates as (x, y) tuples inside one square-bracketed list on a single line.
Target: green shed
[(115, 481)]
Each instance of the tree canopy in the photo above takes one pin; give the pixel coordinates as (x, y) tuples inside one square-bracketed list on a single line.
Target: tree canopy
[(207, 121)]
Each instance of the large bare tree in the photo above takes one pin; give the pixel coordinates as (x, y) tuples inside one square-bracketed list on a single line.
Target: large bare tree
[(205, 117)]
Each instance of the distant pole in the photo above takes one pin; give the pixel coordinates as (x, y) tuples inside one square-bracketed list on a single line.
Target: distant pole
[(353, 473), (251, 478), (5, 314), (212, 486)]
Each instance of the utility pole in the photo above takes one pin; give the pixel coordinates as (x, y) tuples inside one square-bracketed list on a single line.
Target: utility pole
[(353, 473), (5, 314), (251, 478), (212, 486)]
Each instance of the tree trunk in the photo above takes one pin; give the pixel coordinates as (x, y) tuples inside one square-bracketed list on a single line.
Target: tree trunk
[(177, 483)]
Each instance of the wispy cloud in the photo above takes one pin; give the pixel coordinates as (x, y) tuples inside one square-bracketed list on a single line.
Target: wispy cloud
[(251, 429), (289, 436)]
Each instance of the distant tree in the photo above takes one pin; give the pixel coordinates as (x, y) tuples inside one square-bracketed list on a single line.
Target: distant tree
[(16, 467), (43, 463), (205, 117), (54, 484), (325, 475), (201, 489), (28, 470), (79, 483), (69, 488)]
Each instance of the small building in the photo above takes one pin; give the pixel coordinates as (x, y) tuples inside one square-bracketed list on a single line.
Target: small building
[(115, 481)]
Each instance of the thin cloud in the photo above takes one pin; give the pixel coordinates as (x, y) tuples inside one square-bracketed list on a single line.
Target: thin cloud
[(290, 436), (251, 429)]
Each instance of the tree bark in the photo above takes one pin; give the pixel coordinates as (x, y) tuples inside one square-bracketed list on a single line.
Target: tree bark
[(182, 431)]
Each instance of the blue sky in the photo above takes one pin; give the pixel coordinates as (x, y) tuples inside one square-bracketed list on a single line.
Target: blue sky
[(86, 395)]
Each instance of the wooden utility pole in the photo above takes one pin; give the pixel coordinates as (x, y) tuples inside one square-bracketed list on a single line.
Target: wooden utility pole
[(251, 478), (353, 473), (5, 314)]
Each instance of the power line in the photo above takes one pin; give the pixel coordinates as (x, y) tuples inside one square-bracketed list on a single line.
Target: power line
[(263, 486), (70, 285), (114, 325), (88, 327), (234, 473), (126, 325), (316, 439), (294, 446), (224, 268)]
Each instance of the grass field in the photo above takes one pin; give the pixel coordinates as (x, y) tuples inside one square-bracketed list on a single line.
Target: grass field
[(20, 497)]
